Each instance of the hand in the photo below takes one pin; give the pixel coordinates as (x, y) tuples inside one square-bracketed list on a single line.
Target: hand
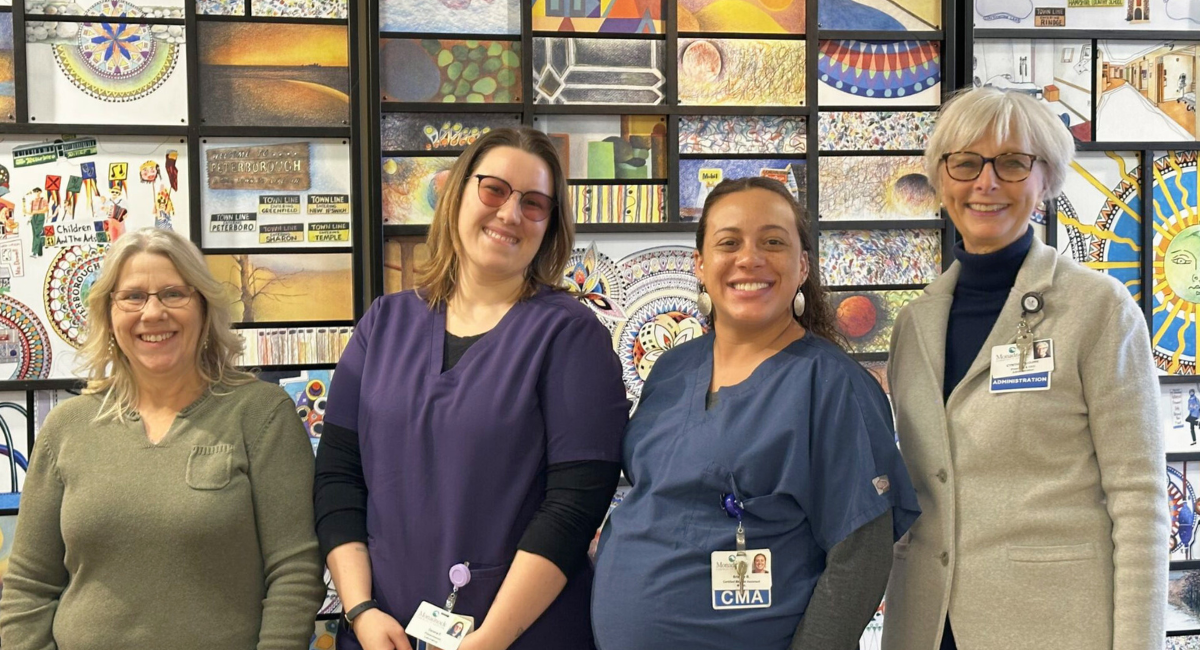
[(378, 631), (481, 640)]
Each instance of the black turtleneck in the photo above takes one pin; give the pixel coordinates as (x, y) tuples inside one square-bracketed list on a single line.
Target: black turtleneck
[(983, 287)]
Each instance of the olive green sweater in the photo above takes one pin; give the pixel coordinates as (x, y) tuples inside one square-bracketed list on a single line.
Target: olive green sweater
[(202, 541)]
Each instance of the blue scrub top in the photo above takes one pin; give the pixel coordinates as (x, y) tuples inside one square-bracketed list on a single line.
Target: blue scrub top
[(800, 442)]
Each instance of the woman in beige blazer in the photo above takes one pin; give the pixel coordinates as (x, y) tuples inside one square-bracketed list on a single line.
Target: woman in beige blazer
[(1042, 486)]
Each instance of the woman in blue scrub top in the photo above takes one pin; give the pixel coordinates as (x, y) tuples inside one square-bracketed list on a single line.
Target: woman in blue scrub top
[(475, 420), (767, 418)]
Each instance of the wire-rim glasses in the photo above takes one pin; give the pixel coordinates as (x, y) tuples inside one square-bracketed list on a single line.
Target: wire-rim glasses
[(495, 192), (136, 299)]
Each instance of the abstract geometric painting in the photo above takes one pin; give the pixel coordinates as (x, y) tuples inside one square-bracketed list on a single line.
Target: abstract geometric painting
[(411, 187), (879, 72), (865, 318), (882, 131), (1099, 215), (876, 187), (740, 72), (309, 390), (608, 146), (598, 16), (741, 16), (254, 74), (598, 71), (697, 177), (880, 15), (106, 73), (633, 203), (286, 288), (449, 17), (865, 257), (1176, 282), (449, 132), (449, 70), (699, 134)]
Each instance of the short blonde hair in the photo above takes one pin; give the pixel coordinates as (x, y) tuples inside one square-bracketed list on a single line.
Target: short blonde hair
[(1004, 116), (437, 276), (107, 368)]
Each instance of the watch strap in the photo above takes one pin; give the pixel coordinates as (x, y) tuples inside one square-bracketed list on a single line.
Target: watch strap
[(359, 609)]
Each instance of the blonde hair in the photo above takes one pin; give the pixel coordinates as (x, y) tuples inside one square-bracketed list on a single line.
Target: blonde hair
[(987, 112), (107, 368), (437, 276)]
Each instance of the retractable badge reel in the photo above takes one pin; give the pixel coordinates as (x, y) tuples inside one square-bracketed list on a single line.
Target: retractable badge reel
[(734, 509), (441, 627)]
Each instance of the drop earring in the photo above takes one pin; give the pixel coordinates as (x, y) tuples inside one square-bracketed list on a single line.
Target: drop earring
[(704, 302), (798, 303)]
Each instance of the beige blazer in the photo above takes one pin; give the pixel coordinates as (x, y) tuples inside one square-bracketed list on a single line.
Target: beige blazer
[(1044, 521)]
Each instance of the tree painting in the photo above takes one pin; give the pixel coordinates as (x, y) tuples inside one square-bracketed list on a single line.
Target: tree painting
[(277, 288)]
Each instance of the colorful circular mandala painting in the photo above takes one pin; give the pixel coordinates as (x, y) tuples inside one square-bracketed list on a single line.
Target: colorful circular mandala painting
[(116, 62), (23, 340), (880, 70), (68, 283)]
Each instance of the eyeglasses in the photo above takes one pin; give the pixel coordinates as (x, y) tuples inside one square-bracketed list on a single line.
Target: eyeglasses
[(1009, 167), (136, 299), (495, 192)]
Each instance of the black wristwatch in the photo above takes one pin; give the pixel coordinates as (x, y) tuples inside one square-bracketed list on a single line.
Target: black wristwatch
[(348, 617)]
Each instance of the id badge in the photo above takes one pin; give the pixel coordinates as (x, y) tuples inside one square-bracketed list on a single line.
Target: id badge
[(1007, 375), (437, 627), (755, 590)]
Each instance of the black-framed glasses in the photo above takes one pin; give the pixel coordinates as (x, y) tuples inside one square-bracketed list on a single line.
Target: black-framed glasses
[(136, 299), (495, 192), (1012, 167)]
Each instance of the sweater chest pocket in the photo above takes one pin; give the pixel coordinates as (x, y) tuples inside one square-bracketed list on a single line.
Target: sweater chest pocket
[(209, 467)]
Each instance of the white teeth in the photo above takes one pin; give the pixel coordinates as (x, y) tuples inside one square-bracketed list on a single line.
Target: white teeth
[(985, 207), (498, 237), (155, 338), (750, 286)]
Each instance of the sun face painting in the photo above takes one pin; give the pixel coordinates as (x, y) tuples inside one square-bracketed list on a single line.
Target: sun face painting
[(1176, 263)]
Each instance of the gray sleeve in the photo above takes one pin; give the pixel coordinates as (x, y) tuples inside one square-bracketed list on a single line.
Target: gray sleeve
[(849, 590)]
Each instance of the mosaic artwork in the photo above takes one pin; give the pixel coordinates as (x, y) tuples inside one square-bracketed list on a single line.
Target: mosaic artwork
[(1176, 282), (106, 73), (1183, 601), (1099, 215), (286, 288), (450, 132), (880, 15), (449, 70), (1183, 507), (275, 192), (598, 16), (1056, 73), (401, 255), (882, 131), (149, 8), (865, 318), (324, 635), (865, 257), (876, 187), (608, 146), (1189, 642), (8, 87), (441, 17), (620, 203), (221, 7), (740, 72), (699, 134), (292, 346), (1105, 14), (25, 351), (893, 73), (598, 71), (1148, 83), (300, 8), (741, 16), (14, 448), (266, 74), (411, 187), (69, 281), (697, 177)]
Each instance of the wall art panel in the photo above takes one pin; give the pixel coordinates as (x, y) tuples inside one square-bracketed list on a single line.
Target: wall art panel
[(620, 203), (286, 288), (864, 257), (865, 318), (891, 73), (221, 7), (882, 131), (401, 255), (880, 15), (275, 192), (14, 448), (699, 134), (1099, 215), (449, 70), (1056, 73), (1176, 284), (411, 187), (608, 146), (449, 132), (598, 16), (1179, 410), (300, 8), (741, 16), (1182, 611), (598, 71), (8, 531), (1148, 83), (876, 187), (741, 72), (8, 86), (442, 17), (1090, 14), (171, 9), (273, 346), (697, 177)]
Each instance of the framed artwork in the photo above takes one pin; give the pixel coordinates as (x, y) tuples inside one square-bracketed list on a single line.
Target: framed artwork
[(324, 634), (1044, 70), (599, 16), (261, 74), (697, 177), (449, 70), (411, 187), (1178, 15), (598, 71), (275, 192), (286, 288), (170, 9), (1179, 409), (221, 7), (438, 17), (741, 72), (1148, 83), (8, 86), (14, 448), (887, 73), (1099, 219), (1183, 642), (866, 257), (742, 134), (449, 132), (740, 16), (619, 203), (1176, 260), (881, 131), (1183, 601), (300, 8), (880, 15), (616, 147), (274, 346), (866, 318), (44, 401), (401, 255), (876, 187), (309, 390)]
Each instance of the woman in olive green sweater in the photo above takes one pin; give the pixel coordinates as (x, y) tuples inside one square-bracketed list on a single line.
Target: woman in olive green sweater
[(170, 506)]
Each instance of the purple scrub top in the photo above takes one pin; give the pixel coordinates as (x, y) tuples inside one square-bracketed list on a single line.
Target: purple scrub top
[(455, 462)]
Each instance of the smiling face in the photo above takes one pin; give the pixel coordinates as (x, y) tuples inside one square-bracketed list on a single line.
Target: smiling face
[(990, 213), (760, 563), (159, 342), (752, 264), (500, 243), (1182, 264)]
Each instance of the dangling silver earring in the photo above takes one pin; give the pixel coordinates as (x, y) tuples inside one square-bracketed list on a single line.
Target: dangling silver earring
[(704, 302), (798, 303)]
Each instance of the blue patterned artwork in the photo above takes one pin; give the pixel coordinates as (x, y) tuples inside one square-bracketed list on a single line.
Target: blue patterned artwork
[(1176, 283), (879, 72), (450, 16), (1099, 218), (879, 15), (697, 177)]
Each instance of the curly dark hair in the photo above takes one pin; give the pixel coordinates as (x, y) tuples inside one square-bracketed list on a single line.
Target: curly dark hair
[(819, 317)]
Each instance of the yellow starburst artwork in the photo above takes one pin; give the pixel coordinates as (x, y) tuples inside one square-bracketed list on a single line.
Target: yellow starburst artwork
[(1176, 288)]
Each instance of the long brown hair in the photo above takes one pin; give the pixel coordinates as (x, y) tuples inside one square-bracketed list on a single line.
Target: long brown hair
[(818, 316), (437, 276)]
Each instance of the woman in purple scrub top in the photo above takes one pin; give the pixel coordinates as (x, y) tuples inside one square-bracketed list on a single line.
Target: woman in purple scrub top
[(478, 420)]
